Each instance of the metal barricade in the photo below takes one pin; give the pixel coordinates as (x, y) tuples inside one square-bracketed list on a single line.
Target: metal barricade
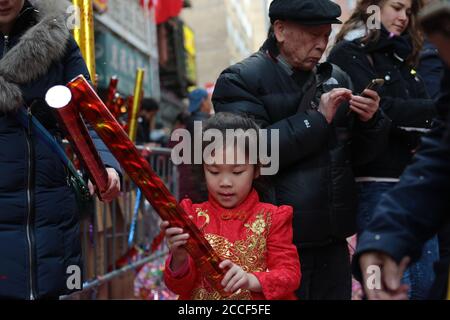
[(105, 231)]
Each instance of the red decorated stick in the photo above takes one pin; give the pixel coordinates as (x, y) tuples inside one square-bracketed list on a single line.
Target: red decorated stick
[(80, 139), (139, 170), (112, 89)]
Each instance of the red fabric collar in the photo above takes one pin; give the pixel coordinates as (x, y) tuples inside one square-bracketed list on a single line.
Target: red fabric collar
[(245, 207)]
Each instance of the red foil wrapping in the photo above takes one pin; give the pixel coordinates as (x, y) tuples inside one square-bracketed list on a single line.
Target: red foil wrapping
[(82, 143), (112, 89), (138, 169), (119, 102)]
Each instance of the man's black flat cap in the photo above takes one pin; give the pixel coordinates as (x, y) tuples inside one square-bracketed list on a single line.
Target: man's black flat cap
[(309, 12)]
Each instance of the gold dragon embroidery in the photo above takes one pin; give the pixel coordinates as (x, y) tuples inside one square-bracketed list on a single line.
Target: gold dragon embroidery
[(249, 253)]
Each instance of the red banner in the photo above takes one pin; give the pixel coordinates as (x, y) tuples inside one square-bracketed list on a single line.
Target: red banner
[(164, 9)]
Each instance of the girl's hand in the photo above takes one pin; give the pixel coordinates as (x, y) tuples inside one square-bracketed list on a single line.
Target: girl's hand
[(236, 278), (176, 239)]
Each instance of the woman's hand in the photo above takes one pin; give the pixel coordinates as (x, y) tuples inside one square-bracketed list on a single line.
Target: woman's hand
[(366, 105), (113, 190)]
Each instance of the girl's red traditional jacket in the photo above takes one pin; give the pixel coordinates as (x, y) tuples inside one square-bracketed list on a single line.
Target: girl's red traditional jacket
[(256, 236)]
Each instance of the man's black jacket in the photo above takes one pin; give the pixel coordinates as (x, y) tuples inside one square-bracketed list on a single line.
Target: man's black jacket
[(315, 175)]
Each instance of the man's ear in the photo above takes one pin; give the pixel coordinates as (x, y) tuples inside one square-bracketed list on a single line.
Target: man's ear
[(279, 30)]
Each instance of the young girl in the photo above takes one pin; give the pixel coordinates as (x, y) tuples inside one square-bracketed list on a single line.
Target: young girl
[(254, 239)]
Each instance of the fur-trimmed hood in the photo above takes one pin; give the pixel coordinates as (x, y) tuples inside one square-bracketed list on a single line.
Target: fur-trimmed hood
[(40, 46)]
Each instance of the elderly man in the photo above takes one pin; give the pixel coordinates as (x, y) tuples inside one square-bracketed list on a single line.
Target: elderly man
[(322, 127)]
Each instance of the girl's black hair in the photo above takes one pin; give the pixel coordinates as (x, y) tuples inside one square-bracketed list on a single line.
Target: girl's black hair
[(225, 120)]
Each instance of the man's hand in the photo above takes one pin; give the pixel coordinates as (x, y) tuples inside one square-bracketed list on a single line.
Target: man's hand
[(366, 105), (113, 190), (330, 102), (391, 274)]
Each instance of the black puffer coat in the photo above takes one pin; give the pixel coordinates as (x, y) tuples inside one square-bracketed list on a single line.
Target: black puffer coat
[(39, 222), (315, 174), (404, 99)]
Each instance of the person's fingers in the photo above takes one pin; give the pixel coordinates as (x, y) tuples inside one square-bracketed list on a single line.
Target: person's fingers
[(228, 275), (340, 100), (225, 264), (174, 236), (391, 275), (400, 294), (363, 101), (360, 112), (170, 232), (172, 240), (361, 108), (110, 176), (341, 91), (372, 293), (238, 285), (343, 94), (173, 245), (370, 103), (403, 265), (113, 178), (336, 102), (367, 260), (110, 182), (235, 278), (403, 290), (113, 189), (91, 188), (233, 281), (381, 295), (112, 192), (179, 237), (114, 183), (163, 225), (370, 94)]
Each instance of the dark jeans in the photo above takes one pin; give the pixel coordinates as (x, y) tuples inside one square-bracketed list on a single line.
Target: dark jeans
[(419, 275), (326, 273)]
